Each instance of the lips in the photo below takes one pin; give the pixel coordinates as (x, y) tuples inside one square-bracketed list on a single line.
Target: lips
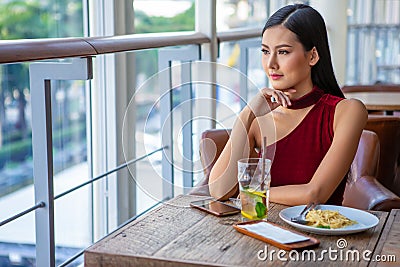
[(275, 76)]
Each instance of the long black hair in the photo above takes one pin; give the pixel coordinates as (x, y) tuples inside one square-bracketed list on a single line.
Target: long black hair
[(309, 27)]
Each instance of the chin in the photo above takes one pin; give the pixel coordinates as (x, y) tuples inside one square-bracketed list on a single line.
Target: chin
[(281, 86)]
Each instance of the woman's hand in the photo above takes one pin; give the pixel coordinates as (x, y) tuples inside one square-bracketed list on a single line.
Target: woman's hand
[(269, 99)]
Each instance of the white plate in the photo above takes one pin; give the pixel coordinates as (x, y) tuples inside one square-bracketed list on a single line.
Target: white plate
[(364, 220)]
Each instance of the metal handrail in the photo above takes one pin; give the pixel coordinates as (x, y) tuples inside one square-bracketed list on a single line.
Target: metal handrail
[(22, 213), (13, 51)]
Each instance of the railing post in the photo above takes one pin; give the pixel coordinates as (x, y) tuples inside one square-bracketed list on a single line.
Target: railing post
[(166, 125), (41, 75), (187, 103)]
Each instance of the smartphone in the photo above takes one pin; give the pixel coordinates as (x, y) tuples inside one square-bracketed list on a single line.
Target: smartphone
[(215, 207)]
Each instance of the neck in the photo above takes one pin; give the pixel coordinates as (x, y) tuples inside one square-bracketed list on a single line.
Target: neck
[(307, 100)]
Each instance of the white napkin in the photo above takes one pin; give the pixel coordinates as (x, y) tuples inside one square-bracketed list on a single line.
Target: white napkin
[(273, 232)]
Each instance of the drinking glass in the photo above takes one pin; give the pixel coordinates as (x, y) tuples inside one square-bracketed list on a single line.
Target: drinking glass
[(254, 181)]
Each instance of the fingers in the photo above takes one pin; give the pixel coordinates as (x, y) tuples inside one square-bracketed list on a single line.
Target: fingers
[(285, 101), (278, 97), (274, 98)]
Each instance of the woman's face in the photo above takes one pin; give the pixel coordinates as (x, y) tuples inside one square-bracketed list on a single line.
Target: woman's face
[(284, 60)]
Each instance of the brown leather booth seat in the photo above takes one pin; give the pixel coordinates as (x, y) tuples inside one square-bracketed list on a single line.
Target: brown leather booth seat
[(363, 191), (388, 130)]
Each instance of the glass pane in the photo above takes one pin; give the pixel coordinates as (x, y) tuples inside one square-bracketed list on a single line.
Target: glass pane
[(16, 168), (164, 15), (145, 106), (72, 218), (228, 89), (241, 13), (228, 97), (69, 159), (148, 128), (373, 42), (41, 19)]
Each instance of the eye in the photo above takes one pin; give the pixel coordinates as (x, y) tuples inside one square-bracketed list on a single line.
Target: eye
[(265, 51), (283, 52)]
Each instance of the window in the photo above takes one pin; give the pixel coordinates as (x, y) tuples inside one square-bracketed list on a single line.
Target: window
[(373, 42)]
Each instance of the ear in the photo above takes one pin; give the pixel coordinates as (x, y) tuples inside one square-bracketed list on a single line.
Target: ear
[(314, 56)]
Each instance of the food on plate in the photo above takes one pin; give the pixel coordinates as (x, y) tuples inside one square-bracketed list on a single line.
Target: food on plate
[(330, 219)]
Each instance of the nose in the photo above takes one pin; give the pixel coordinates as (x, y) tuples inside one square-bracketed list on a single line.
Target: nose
[(271, 61)]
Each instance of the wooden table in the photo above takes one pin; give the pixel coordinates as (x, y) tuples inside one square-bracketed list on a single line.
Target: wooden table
[(176, 235), (378, 101), (389, 246)]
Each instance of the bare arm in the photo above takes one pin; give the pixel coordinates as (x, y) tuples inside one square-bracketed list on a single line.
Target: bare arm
[(223, 180), (350, 119)]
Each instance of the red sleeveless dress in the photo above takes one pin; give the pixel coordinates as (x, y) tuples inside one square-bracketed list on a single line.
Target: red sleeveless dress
[(296, 157)]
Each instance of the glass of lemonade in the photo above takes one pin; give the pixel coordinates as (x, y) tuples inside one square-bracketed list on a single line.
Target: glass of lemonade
[(254, 181)]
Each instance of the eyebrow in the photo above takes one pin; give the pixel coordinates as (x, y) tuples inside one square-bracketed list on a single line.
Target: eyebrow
[(278, 46)]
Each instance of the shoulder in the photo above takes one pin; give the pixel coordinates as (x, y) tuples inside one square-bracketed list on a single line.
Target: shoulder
[(344, 105), (351, 105), (351, 111)]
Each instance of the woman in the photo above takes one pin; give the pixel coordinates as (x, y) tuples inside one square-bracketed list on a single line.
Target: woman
[(312, 132)]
